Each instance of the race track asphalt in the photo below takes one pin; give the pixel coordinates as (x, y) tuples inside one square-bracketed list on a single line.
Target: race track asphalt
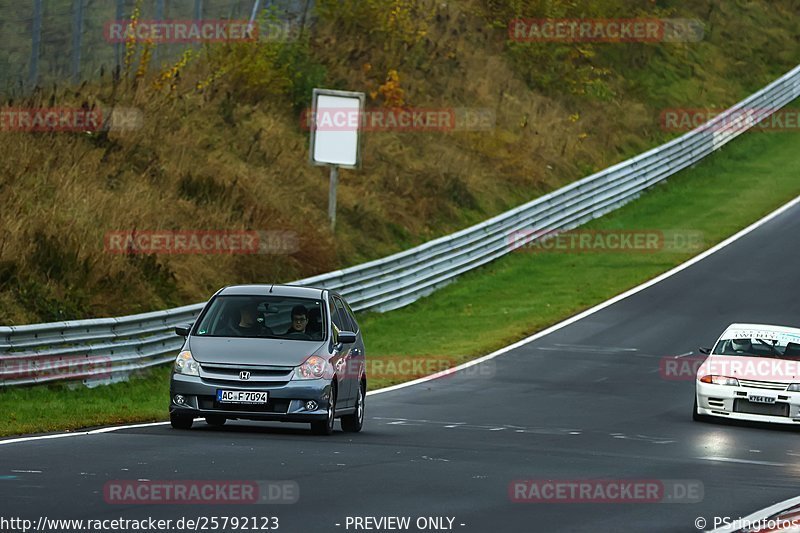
[(586, 401)]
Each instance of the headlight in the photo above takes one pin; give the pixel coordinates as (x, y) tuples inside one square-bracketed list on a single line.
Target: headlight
[(794, 387), (720, 380), (312, 368), (186, 365)]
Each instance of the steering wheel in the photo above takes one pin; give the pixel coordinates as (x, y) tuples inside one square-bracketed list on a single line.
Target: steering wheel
[(298, 335)]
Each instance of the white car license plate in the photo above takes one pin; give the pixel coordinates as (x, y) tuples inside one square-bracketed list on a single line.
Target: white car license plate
[(242, 396), (762, 399)]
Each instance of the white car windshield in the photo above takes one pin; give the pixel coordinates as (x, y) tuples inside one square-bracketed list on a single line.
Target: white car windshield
[(759, 347)]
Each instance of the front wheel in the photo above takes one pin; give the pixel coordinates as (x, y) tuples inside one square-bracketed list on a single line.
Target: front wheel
[(325, 427), (353, 423), (180, 421)]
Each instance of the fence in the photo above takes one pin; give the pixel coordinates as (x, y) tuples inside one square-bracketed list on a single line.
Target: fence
[(46, 352), (47, 41)]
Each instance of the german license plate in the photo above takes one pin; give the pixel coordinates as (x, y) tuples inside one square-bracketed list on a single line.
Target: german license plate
[(762, 399), (242, 396)]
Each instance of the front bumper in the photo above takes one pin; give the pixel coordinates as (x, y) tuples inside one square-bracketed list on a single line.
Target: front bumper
[(724, 401), (286, 402)]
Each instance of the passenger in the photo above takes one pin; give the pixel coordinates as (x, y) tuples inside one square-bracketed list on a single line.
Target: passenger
[(299, 320)]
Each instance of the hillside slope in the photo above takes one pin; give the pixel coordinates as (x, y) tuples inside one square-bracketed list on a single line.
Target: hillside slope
[(222, 147)]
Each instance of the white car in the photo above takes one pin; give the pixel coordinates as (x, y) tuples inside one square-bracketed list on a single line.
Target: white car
[(752, 373)]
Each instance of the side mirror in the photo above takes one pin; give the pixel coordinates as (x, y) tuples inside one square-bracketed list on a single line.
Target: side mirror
[(183, 330), (705, 351), (347, 337)]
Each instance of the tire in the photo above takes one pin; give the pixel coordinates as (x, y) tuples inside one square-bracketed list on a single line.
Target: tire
[(215, 420), (180, 421), (353, 423), (325, 427)]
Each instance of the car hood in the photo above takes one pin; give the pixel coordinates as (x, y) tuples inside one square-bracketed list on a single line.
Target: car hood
[(752, 368), (228, 350)]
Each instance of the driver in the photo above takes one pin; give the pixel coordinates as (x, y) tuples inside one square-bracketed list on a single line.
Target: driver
[(741, 345), (299, 320)]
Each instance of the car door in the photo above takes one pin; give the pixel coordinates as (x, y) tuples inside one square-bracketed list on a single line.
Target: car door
[(339, 356), (348, 350), (358, 358)]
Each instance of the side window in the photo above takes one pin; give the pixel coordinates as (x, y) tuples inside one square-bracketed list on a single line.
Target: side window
[(337, 321), (352, 317), (344, 317)]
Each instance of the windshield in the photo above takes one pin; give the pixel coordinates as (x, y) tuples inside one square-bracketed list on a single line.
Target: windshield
[(263, 317), (776, 347)]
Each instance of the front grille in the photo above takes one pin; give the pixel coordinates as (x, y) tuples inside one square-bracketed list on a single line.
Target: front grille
[(221, 373), (244, 385), (272, 406), (771, 385), (755, 408)]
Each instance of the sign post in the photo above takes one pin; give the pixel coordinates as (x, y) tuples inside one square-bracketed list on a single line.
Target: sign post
[(335, 140), (332, 196)]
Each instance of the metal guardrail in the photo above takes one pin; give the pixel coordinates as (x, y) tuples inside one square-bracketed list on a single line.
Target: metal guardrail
[(108, 349)]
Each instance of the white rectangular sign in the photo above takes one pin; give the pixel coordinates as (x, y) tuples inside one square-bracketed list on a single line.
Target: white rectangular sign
[(336, 127)]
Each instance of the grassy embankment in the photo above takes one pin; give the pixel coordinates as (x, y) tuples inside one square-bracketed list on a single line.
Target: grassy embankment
[(221, 146)]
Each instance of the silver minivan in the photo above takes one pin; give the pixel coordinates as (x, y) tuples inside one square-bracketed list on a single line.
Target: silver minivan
[(271, 352)]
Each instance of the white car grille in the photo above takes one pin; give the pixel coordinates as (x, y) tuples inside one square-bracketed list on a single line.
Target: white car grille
[(771, 385)]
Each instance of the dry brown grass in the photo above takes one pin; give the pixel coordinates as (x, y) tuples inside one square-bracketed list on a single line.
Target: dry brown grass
[(233, 157)]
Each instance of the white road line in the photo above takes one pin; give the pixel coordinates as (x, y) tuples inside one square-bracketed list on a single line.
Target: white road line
[(80, 433), (564, 323), (586, 347), (740, 461)]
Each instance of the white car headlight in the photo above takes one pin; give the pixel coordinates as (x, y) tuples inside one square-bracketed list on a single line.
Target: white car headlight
[(186, 365), (794, 387), (312, 368), (720, 380)]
